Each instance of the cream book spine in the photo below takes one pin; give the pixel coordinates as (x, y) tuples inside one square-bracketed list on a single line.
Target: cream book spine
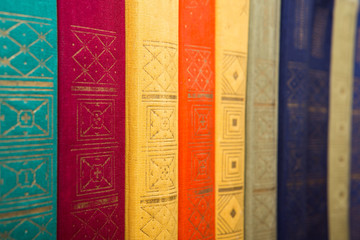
[(341, 82), (232, 24), (151, 119)]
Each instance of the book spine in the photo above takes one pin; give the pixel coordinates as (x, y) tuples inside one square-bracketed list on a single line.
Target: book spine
[(261, 121), (295, 39), (28, 119), (152, 119), (91, 119), (318, 111), (355, 142), (196, 119), (232, 27), (339, 142)]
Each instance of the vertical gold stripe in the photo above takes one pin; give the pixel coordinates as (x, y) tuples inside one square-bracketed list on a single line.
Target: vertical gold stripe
[(341, 81)]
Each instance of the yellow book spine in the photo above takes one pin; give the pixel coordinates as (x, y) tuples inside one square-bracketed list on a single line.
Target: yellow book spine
[(339, 142), (261, 121), (232, 23), (151, 119)]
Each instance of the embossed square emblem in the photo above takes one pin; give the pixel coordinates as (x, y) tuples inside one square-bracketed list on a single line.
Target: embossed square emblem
[(232, 169), (200, 161), (202, 124), (162, 123), (27, 177), (162, 172), (27, 118), (97, 173), (233, 123), (96, 119)]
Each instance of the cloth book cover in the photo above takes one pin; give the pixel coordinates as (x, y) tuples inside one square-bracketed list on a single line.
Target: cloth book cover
[(355, 142), (91, 119), (232, 26), (303, 119), (340, 116), (261, 120), (152, 119), (28, 119), (196, 119)]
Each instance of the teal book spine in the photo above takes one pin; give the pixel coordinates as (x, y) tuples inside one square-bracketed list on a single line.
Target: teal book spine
[(28, 119)]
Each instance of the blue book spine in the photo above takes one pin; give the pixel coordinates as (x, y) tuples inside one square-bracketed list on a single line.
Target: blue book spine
[(355, 145), (28, 119), (303, 109), (318, 111)]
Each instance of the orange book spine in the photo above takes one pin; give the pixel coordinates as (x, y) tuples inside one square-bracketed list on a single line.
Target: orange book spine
[(196, 119)]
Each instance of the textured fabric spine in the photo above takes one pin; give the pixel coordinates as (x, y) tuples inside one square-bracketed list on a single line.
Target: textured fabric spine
[(232, 26), (303, 119), (152, 119), (196, 119), (28, 119), (341, 84), (355, 143), (261, 121), (91, 119)]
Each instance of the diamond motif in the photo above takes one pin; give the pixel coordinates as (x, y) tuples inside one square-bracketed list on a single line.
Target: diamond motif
[(234, 74), (264, 212), (231, 209), (97, 223), (160, 67), (201, 216), (95, 58), (160, 221), (199, 73), (20, 42)]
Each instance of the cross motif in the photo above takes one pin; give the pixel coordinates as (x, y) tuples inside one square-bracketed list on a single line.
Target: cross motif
[(202, 121), (97, 172), (25, 118)]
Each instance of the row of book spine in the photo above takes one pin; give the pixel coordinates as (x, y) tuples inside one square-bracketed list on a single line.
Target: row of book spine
[(130, 119)]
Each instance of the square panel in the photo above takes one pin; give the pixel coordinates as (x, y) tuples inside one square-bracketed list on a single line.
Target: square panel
[(96, 173), (161, 123), (201, 165), (95, 119), (25, 178), (234, 123), (161, 172), (202, 121), (232, 165), (26, 118)]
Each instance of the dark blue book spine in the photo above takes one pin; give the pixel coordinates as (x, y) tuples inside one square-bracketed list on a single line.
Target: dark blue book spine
[(355, 145), (318, 110), (303, 109)]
